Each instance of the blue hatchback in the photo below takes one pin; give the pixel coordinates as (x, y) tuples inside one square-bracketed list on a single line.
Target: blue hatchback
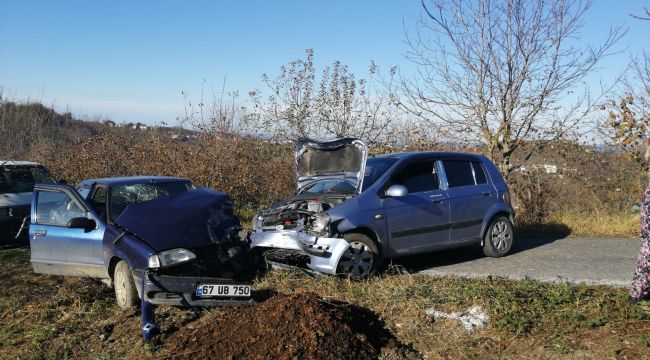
[(351, 212)]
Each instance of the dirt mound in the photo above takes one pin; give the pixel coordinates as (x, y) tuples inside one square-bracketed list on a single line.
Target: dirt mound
[(297, 326)]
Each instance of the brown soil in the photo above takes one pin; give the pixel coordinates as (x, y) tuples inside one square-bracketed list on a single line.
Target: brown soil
[(296, 326)]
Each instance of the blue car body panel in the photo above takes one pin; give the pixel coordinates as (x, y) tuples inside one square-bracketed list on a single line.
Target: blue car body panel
[(61, 250), (180, 219)]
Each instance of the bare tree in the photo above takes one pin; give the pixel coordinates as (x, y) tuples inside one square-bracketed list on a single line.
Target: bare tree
[(500, 72), (628, 120), (645, 16), (218, 114), (334, 104)]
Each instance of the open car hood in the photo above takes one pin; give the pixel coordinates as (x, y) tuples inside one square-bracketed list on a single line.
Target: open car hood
[(343, 159), (186, 220)]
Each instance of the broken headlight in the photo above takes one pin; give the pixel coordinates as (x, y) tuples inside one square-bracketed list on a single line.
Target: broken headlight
[(320, 224), (258, 222), (170, 257)]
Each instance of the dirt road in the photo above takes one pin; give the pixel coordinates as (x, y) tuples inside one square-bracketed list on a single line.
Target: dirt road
[(595, 261)]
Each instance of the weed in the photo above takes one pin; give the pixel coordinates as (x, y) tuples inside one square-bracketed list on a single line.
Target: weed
[(42, 334)]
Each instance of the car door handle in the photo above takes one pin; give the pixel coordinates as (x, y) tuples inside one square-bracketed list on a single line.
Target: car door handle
[(40, 232), (486, 193), (437, 198)]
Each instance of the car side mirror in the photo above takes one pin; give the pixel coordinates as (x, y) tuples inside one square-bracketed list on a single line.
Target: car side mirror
[(397, 191), (82, 223)]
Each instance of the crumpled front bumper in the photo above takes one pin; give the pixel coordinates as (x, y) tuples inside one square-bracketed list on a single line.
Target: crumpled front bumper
[(324, 253), (181, 291)]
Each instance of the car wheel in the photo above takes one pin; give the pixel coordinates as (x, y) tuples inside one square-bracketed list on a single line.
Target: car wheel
[(498, 238), (126, 293), (361, 259)]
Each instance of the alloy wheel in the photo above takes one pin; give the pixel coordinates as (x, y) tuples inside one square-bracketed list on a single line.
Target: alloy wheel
[(501, 235), (120, 288), (357, 260)]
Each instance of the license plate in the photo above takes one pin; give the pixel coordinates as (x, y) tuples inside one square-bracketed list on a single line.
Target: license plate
[(223, 290)]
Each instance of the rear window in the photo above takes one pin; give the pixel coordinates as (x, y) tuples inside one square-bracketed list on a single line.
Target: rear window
[(459, 173)]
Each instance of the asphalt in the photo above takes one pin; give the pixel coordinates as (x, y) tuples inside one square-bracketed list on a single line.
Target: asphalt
[(594, 261)]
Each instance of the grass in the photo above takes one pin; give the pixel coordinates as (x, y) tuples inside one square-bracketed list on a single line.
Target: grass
[(595, 224), (557, 318), (56, 317)]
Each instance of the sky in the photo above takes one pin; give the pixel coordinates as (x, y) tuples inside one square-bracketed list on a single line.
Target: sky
[(132, 61)]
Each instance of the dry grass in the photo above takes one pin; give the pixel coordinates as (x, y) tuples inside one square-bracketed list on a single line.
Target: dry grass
[(600, 224), (44, 317), (595, 224), (527, 317)]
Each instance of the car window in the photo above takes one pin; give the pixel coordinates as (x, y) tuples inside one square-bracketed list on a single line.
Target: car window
[(98, 201), (17, 179), (56, 208), (330, 186), (83, 191), (124, 195), (459, 173), (418, 177), (375, 168), (479, 173)]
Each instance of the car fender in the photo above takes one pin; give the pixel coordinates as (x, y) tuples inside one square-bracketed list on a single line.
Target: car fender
[(374, 221), (497, 208), (129, 248)]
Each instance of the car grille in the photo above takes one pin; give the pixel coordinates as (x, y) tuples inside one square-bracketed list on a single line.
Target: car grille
[(215, 260)]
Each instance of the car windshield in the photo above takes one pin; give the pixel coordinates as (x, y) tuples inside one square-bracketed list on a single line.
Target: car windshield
[(375, 168), (21, 178), (330, 186), (125, 195)]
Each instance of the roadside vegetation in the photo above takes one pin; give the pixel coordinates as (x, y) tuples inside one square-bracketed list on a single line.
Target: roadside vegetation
[(595, 191), (44, 317)]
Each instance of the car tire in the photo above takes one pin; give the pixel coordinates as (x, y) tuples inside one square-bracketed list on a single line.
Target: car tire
[(499, 237), (126, 293), (361, 259)]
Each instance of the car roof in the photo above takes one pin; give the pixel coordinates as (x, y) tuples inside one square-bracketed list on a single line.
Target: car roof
[(18, 163), (130, 180), (412, 154)]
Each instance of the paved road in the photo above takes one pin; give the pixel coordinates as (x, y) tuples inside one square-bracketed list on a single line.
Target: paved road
[(605, 261)]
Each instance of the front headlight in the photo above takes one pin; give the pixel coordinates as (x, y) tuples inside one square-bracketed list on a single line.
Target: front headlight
[(170, 257), (258, 221)]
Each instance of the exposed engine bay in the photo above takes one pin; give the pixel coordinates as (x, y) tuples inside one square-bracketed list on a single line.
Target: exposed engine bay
[(299, 232), (300, 228), (301, 214)]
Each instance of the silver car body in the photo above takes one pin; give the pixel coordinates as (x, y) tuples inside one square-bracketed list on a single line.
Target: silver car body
[(341, 159)]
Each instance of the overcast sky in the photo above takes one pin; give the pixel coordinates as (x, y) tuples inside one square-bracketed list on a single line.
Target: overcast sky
[(130, 60)]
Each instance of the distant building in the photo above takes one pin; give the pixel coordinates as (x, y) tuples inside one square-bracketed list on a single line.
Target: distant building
[(110, 123)]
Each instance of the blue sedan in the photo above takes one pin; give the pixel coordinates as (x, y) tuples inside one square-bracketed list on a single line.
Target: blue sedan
[(158, 239)]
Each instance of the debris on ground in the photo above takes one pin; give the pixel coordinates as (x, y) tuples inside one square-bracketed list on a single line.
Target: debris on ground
[(472, 319), (296, 326)]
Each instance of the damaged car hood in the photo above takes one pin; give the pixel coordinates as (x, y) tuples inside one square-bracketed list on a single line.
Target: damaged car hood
[(187, 220), (343, 159)]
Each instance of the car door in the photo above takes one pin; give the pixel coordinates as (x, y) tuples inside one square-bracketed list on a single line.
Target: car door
[(470, 197), (56, 247), (419, 221)]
